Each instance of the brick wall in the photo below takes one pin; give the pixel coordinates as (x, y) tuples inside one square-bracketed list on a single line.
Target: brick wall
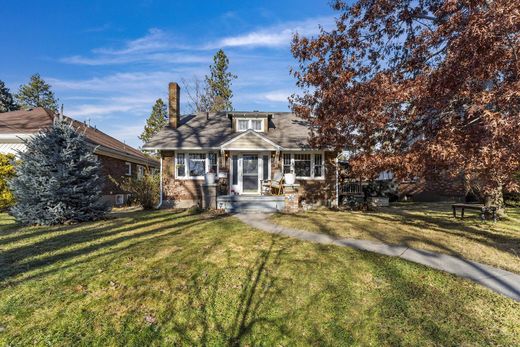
[(179, 193), (186, 193)]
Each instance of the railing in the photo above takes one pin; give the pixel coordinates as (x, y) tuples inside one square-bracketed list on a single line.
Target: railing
[(351, 188)]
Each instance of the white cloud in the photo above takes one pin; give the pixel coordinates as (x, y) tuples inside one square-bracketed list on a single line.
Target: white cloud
[(277, 96), (277, 35), (156, 46), (153, 41)]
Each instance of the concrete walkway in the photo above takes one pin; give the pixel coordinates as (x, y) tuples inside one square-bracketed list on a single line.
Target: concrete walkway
[(501, 281)]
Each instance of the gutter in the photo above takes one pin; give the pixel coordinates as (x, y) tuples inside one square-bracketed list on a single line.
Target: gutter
[(160, 186)]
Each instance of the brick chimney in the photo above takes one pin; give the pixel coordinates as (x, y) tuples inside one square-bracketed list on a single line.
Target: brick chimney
[(174, 108)]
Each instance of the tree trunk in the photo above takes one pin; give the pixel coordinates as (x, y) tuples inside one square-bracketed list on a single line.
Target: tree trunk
[(496, 198)]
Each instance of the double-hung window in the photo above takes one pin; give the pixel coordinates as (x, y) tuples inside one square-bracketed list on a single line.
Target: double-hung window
[(303, 165), (318, 165), (256, 124), (196, 164), (212, 159), (287, 163), (243, 124), (128, 169), (140, 171), (180, 165), (246, 124)]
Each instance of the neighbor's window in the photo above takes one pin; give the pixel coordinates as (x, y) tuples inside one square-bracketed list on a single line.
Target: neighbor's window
[(287, 167), (256, 124), (140, 171), (181, 165), (318, 165), (128, 169), (243, 124), (302, 165), (213, 162), (196, 164)]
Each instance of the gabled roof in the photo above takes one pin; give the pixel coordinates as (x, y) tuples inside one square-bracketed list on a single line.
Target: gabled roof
[(200, 132), (26, 122)]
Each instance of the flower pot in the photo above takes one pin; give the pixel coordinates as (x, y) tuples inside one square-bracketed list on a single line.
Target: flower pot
[(289, 178), (210, 178)]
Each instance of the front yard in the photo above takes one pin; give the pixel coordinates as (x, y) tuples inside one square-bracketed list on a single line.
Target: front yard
[(181, 278), (428, 226)]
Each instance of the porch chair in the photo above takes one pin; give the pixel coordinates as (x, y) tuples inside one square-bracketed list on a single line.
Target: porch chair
[(277, 183)]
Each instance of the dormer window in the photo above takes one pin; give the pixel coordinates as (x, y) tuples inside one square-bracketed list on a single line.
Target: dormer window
[(246, 124)]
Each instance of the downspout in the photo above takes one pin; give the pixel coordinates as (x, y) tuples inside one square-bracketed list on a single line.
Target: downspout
[(337, 182), (160, 186)]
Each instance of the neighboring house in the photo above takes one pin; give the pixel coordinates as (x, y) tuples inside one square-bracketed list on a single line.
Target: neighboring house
[(244, 150), (117, 159)]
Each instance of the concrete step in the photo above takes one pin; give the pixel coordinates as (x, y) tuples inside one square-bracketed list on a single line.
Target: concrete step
[(245, 204)]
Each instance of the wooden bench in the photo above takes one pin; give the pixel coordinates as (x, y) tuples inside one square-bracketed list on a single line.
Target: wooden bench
[(483, 210)]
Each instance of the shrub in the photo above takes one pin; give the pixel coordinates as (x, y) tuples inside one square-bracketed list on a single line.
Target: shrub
[(145, 189), (6, 173), (57, 179)]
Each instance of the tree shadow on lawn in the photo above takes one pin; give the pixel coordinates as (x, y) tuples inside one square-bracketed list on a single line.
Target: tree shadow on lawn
[(441, 224), (506, 243), (13, 264), (22, 233), (259, 309)]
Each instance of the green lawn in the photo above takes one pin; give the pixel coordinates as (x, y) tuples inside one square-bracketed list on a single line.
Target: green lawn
[(181, 278), (428, 226)]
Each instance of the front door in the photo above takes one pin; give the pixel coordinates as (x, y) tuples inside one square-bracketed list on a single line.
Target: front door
[(250, 173), (247, 170)]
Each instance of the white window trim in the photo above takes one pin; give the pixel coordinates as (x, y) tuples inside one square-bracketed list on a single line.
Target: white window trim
[(207, 164), (250, 124), (311, 177), (128, 168)]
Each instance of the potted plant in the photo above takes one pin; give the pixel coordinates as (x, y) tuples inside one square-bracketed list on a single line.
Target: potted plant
[(289, 178)]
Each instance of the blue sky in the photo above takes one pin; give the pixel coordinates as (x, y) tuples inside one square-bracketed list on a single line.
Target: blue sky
[(108, 61)]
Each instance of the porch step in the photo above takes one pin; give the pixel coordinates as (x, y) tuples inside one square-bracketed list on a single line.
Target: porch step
[(250, 203)]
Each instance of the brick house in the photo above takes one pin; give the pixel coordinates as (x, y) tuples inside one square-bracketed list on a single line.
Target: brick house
[(248, 152), (117, 159)]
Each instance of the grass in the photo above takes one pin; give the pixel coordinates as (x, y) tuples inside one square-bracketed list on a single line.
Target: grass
[(428, 226), (180, 278)]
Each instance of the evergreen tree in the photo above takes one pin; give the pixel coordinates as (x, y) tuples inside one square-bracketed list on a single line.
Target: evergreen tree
[(157, 120), (6, 99), (219, 83), (37, 93), (57, 179)]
